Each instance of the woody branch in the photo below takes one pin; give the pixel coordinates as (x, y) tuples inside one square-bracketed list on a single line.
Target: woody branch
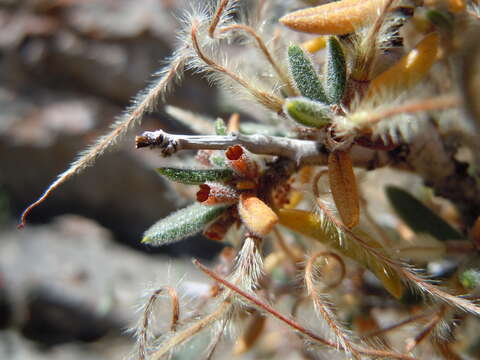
[(303, 152), (426, 155)]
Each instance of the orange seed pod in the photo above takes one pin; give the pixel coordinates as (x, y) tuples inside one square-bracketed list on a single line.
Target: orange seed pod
[(335, 18), (344, 187), (257, 216)]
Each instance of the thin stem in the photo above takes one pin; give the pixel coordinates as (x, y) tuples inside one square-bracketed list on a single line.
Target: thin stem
[(395, 326), (216, 18), (142, 105), (426, 331), (263, 47), (435, 103), (304, 331), (269, 101), (326, 313), (263, 306), (460, 247)]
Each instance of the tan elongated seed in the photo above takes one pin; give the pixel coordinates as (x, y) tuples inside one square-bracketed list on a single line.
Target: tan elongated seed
[(344, 187)]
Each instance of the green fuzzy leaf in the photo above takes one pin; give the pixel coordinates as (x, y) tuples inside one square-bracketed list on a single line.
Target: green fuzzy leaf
[(307, 112), (336, 71), (470, 279), (220, 127), (304, 75), (419, 217), (182, 223), (195, 176)]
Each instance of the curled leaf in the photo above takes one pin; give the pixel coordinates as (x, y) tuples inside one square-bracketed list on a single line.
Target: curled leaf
[(336, 71), (335, 18), (304, 75), (257, 216), (182, 223), (419, 217), (312, 225), (344, 187), (195, 176), (307, 112)]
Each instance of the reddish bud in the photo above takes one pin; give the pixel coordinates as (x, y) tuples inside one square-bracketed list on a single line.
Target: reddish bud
[(241, 162), (214, 193)]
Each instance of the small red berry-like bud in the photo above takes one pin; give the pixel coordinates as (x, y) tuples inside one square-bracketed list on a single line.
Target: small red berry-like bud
[(241, 162), (215, 193)]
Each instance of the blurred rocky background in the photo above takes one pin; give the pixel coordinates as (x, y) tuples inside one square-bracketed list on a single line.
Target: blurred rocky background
[(69, 281)]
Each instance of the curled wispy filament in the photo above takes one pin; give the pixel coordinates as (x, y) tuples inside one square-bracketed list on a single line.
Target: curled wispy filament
[(309, 268), (172, 293), (268, 100)]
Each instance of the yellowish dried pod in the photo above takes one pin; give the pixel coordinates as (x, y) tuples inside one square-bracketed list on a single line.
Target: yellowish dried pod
[(336, 18), (257, 216), (409, 70), (344, 187), (310, 224)]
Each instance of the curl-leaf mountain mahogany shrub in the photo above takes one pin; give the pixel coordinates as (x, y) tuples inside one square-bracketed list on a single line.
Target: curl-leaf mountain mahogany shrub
[(383, 85)]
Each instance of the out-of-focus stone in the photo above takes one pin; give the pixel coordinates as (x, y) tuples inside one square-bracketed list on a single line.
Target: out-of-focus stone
[(69, 281)]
